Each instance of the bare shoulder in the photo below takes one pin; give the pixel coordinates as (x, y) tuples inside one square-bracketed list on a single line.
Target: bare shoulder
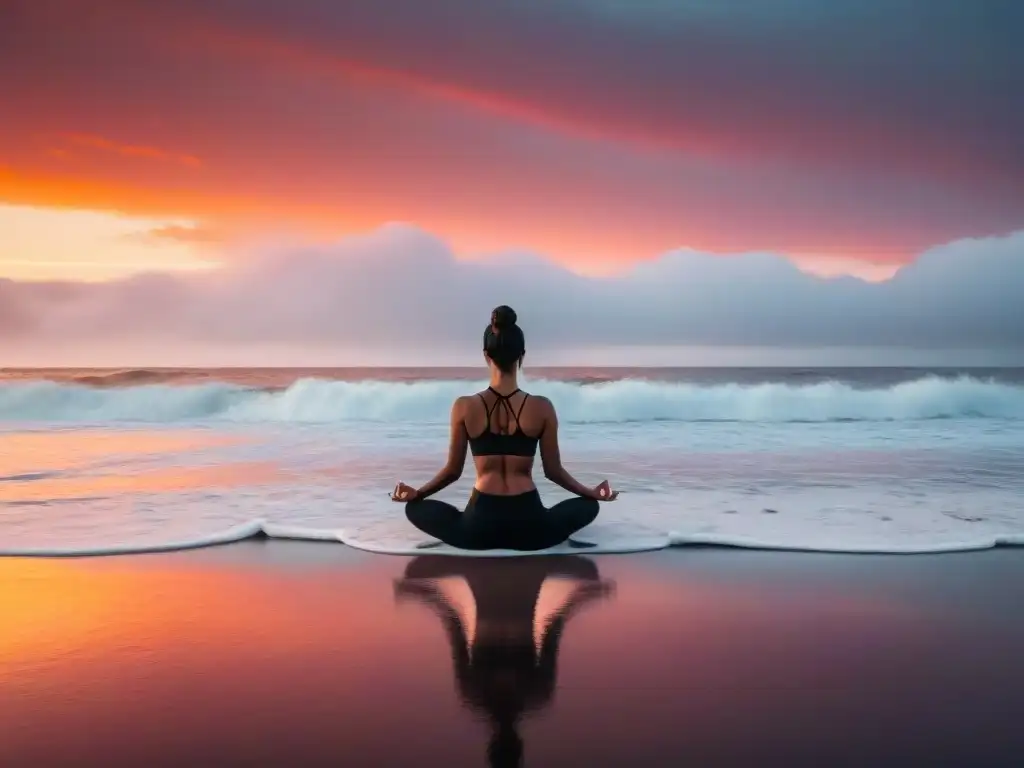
[(542, 404), (459, 406)]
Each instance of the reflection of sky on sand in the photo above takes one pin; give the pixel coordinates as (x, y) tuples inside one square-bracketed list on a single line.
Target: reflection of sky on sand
[(181, 663), (223, 655)]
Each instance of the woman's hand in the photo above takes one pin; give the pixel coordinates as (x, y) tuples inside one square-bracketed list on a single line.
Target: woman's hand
[(403, 493), (604, 492)]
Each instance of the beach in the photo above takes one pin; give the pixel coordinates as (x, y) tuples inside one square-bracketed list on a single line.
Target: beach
[(270, 652)]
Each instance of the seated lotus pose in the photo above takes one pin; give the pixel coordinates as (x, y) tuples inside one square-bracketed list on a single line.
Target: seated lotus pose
[(502, 426)]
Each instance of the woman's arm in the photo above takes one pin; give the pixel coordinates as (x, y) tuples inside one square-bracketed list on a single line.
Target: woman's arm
[(552, 459), (585, 593), (431, 596), (457, 445)]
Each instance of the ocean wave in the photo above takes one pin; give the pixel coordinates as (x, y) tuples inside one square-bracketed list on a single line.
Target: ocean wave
[(627, 400), (616, 543), (132, 377)]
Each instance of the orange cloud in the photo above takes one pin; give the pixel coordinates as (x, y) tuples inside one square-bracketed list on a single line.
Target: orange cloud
[(566, 232), (193, 234), (131, 150), (321, 145)]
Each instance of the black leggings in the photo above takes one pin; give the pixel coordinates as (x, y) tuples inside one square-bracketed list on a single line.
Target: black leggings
[(502, 522)]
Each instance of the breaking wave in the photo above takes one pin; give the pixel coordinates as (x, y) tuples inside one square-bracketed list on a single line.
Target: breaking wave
[(627, 400)]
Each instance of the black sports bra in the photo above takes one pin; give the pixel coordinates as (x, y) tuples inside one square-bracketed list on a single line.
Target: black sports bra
[(489, 443)]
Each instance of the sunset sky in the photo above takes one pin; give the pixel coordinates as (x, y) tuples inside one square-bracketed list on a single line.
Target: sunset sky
[(207, 139)]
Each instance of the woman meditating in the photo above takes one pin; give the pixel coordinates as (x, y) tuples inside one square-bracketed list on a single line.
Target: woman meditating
[(503, 426)]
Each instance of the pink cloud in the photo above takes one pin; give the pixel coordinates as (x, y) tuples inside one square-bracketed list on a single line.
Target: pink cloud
[(401, 289)]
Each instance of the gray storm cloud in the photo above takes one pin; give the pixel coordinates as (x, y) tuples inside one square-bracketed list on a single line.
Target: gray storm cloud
[(402, 287)]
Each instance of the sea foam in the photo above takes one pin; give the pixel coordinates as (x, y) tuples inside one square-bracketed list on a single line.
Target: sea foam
[(629, 400), (600, 541)]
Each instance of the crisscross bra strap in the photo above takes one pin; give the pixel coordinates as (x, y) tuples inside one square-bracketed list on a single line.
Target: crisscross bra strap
[(503, 400)]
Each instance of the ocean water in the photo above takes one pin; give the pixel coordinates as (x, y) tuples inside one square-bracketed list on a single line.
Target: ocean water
[(851, 460)]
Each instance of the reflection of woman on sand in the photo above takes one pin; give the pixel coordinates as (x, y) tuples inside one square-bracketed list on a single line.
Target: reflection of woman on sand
[(502, 674)]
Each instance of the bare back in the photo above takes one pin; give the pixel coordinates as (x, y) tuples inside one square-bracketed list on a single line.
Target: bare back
[(505, 475)]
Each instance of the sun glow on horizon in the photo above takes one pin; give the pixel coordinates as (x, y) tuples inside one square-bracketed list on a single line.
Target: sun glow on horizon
[(79, 244), (74, 244)]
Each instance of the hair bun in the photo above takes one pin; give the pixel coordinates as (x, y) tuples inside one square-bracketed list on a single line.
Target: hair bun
[(503, 317)]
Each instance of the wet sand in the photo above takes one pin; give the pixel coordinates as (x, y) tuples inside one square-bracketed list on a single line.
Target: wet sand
[(278, 653)]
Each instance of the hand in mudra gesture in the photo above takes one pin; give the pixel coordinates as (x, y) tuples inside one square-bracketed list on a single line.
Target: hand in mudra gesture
[(604, 492), (403, 493)]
